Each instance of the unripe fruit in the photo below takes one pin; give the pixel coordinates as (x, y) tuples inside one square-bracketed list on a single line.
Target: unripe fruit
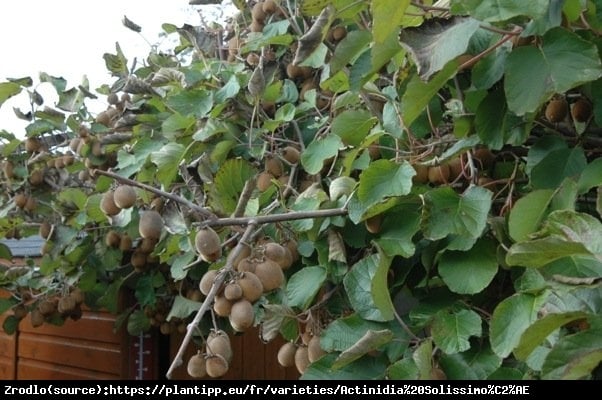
[(251, 286), (301, 359), (264, 181), (556, 110), (196, 366), (107, 204), (208, 244), (216, 366), (242, 315), (150, 225), (291, 154), (270, 274), (438, 174), (314, 351), (286, 354), (207, 281), (581, 110), (124, 196)]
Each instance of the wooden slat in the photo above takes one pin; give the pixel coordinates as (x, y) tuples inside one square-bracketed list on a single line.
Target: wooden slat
[(32, 369), (97, 356), (8, 352)]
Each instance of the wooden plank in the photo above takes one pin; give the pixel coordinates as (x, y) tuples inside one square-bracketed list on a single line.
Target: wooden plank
[(253, 362), (97, 356), (32, 369), (97, 326), (8, 352)]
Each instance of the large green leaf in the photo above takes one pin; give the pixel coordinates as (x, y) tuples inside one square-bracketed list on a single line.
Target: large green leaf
[(528, 213), (452, 329), (354, 44), (398, 230), (387, 16), (318, 151), (345, 332), (366, 368), (138, 323), (565, 163), (371, 340), (303, 286), (379, 287), (168, 161), (436, 42), (353, 126), (191, 102), (541, 329), (495, 10), (469, 272), (384, 178), (447, 212), (510, 319), (8, 90), (404, 369), (473, 364), (228, 183), (361, 290), (182, 308), (591, 176), (574, 356), (534, 74)]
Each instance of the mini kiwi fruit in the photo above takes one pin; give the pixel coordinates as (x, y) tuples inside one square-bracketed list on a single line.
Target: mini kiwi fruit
[(36, 318), (256, 26), (274, 166), (32, 144), (314, 350), (251, 286), (301, 359), (45, 229), (246, 265), (207, 281), (74, 144), (581, 110), (196, 366), (138, 260), (113, 98), (218, 343), (66, 305), (222, 306), (216, 366), (484, 157), (47, 306), (339, 33), (286, 354), (422, 174), (36, 177), (278, 253), (233, 291), (455, 168), (124, 196), (125, 244), (264, 181), (150, 224), (374, 223), (438, 174), (242, 315), (556, 110), (270, 7), (31, 204), (270, 274), (208, 244), (19, 311), (112, 239), (107, 204), (291, 154), (20, 200)]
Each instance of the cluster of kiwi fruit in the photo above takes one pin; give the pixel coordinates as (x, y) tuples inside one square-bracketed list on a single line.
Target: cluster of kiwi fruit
[(25, 202), (214, 357), (51, 307), (89, 148), (302, 354), (558, 109)]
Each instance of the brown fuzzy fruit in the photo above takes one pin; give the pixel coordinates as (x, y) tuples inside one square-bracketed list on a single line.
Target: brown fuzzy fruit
[(208, 244), (107, 204), (36, 318), (581, 111), (253, 59), (66, 305), (246, 265), (251, 286), (78, 296), (455, 168), (301, 359), (277, 253), (125, 244), (270, 274), (112, 98), (112, 239), (124, 196), (293, 247), (557, 110), (45, 229), (20, 200), (286, 354), (207, 281), (339, 33), (196, 366), (264, 181), (36, 177), (256, 26), (32, 144), (484, 157), (74, 144), (30, 205), (47, 306), (138, 260), (274, 166), (422, 173), (257, 12), (314, 351), (218, 343), (233, 291), (291, 154), (147, 245), (242, 315), (19, 311), (270, 6), (373, 224), (216, 366), (222, 306), (150, 225), (438, 174)]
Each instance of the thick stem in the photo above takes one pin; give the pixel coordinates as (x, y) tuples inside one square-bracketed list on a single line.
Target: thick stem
[(217, 283)]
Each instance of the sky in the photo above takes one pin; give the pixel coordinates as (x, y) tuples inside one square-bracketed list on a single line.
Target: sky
[(68, 38)]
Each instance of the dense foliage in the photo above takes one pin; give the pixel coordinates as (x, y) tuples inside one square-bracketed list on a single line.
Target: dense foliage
[(417, 187)]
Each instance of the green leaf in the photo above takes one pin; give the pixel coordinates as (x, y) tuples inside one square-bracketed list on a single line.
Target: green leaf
[(469, 272), (168, 160), (196, 102), (145, 292), (228, 183), (510, 319), (436, 42), (352, 126), (541, 329), (7, 304), (182, 308), (404, 369), (10, 324), (8, 90), (303, 286), (418, 93), (574, 356), (384, 178), (591, 176), (359, 287), (371, 340), (387, 16), (318, 151), (447, 212), (494, 10), (398, 230), (528, 213), (565, 163), (423, 357), (539, 252), (343, 333), (473, 364), (533, 74), (71, 100), (451, 330), (116, 63), (138, 323), (380, 287), (228, 91), (348, 49), (366, 368)]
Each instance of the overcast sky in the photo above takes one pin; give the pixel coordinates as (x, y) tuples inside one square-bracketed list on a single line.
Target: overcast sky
[(68, 38)]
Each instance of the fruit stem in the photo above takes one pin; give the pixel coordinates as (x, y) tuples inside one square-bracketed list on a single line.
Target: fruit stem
[(266, 219)]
